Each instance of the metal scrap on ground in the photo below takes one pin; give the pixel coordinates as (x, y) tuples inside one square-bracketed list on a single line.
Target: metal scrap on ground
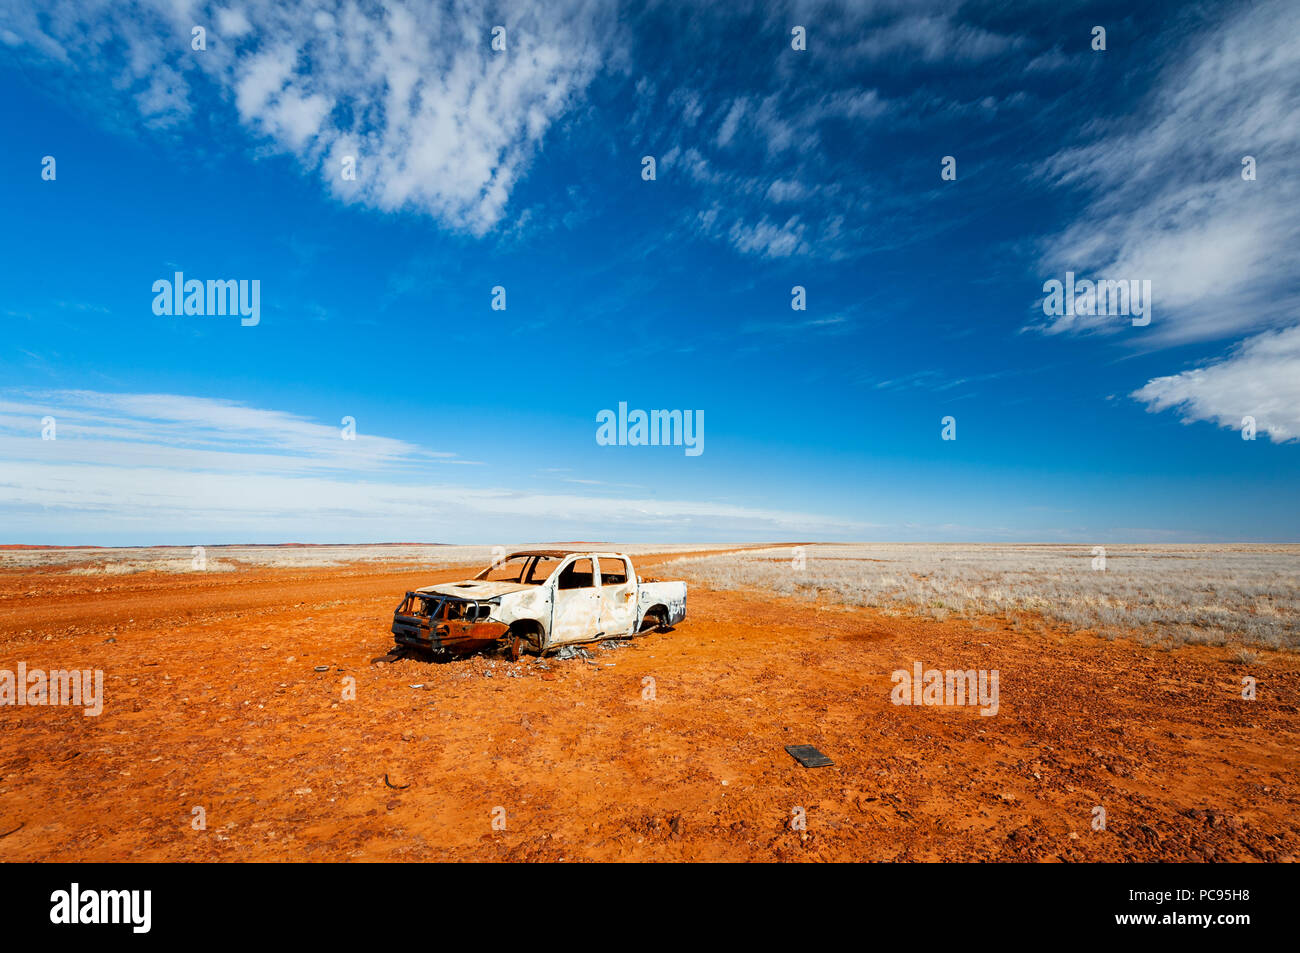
[(808, 756)]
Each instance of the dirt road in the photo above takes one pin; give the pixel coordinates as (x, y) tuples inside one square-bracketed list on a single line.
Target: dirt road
[(671, 748)]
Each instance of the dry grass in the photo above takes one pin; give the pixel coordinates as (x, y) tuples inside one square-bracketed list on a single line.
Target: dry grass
[(1168, 595), (180, 559)]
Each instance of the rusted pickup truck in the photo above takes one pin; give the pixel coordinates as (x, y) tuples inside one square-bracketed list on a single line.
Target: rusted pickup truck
[(537, 601)]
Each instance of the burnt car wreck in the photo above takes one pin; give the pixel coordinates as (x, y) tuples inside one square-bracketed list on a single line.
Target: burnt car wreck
[(537, 601)]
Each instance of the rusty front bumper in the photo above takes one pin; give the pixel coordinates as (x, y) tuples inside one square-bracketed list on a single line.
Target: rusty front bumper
[(436, 633)]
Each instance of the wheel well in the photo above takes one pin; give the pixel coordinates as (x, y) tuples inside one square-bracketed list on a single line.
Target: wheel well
[(658, 612), (530, 630)]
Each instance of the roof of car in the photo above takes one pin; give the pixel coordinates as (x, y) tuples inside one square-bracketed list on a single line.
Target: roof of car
[(561, 553)]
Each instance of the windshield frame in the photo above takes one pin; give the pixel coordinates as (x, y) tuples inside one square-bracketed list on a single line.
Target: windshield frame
[(525, 559), (531, 563)]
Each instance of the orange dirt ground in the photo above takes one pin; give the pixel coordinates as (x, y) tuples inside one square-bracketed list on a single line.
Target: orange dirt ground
[(212, 701)]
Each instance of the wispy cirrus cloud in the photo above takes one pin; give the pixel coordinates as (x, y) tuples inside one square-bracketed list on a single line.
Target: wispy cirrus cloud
[(169, 467), (1166, 199), (935, 38), (788, 161), (198, 433), (438, 122)]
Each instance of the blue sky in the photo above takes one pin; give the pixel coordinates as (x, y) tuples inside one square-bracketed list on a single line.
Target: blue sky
[(522, 168)]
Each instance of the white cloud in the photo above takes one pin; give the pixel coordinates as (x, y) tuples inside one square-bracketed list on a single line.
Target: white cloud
[(934, 39), (193, 432), (689, 103), (731, 122), (1166, 198), (802, 128), (274, 506), (768, 239), (786, 190), (1261, 379), (163, 101), (1048, 61), (231, 21), (165, 467), (439, 122), (1167, 203)]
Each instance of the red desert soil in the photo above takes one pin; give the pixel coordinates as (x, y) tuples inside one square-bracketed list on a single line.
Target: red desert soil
[(212, 701)]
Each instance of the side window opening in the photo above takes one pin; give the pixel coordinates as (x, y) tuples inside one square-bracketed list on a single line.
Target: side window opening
[(542, 569), (577, 575), (613, 572)]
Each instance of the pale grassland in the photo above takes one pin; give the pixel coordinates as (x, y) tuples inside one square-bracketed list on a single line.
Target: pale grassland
[(174, 559), (1217, 595)]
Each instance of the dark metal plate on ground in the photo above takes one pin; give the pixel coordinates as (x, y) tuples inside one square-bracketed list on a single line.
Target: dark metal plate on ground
[(808, 756)]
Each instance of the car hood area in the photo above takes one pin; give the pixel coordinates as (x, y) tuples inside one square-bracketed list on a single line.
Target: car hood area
[(476, 589)]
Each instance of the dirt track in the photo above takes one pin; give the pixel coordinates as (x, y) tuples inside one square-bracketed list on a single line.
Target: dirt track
[(213, 702)]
